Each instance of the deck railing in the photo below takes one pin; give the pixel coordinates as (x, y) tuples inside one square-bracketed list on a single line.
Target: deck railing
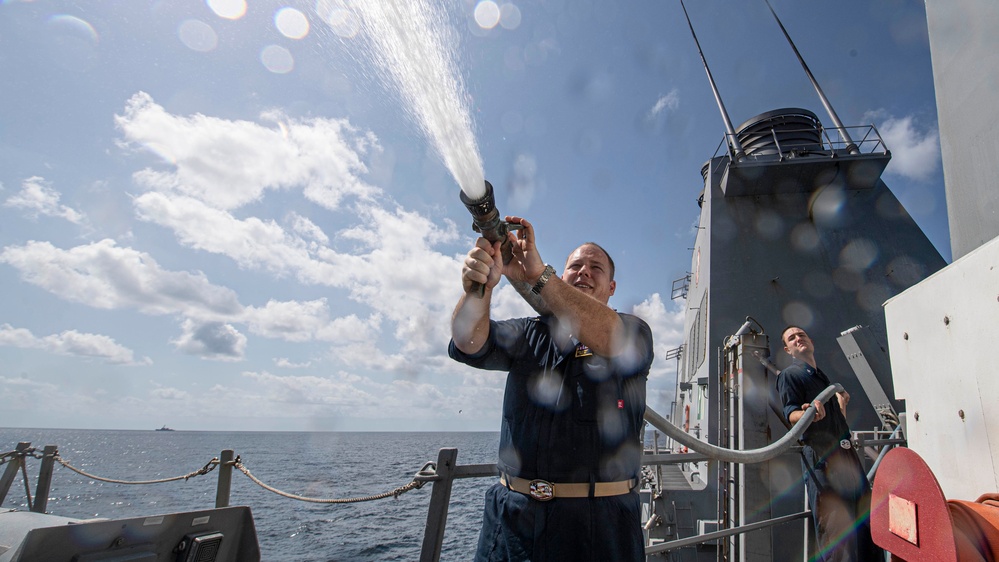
[(441, 475)]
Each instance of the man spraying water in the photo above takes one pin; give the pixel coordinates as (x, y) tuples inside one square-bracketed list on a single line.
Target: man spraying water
[(570, 455)]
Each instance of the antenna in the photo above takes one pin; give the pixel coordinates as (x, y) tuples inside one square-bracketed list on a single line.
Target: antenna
[(851, 147), (734, 144)]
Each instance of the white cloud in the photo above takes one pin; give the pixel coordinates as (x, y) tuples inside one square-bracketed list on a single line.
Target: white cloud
[(211, 340), (165, 393), (668, 101), (71, 343), (307, 229), (37, 197), (666, 324), (286, 363), (228, 164), (103, 275), (252, 243), (307, 321), (915, 151), (393, 266)]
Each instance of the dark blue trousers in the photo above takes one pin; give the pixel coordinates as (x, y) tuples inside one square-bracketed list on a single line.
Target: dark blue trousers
[(516, 528)]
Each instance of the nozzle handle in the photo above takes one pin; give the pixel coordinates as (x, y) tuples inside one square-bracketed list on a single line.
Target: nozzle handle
[(506, 249)]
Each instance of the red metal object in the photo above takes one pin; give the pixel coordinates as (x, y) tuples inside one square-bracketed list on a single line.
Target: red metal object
[(909, 513)]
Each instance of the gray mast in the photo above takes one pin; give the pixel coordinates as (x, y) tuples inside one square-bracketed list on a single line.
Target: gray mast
[(733, 141), (851, 147)]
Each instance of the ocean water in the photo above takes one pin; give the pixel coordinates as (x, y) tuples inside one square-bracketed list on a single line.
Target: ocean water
[(310, 464)]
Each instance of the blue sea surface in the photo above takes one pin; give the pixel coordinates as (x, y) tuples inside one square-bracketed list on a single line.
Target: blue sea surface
[(309, 464)]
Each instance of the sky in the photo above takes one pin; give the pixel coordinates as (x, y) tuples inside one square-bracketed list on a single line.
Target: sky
[(228, 216)]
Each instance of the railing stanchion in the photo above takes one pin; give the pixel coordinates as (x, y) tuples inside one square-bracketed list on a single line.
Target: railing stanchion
[(440, 498), (44, 479), (225, 478), (8, 475)]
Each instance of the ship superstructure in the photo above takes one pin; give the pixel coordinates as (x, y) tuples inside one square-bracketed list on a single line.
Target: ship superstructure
[(798, 227)]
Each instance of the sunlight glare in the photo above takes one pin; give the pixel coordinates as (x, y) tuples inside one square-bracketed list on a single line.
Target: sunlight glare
[(228, 9), (277, 59), (509, 16), (343, 22), (799, 314), (487, 14), (197, 36), (291, 23), (76, 26)]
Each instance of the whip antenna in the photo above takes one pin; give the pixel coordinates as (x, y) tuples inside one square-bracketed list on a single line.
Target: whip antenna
[(734, 144), (851, 147)]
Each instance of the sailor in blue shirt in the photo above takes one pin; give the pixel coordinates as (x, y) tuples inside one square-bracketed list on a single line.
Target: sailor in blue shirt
[(570, 451), (839, 493)]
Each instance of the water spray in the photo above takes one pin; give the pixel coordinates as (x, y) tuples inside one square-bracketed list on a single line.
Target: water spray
[(486, 221)]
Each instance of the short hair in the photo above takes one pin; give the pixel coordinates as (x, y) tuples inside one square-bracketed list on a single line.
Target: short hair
[(788, 327), (610, 260)]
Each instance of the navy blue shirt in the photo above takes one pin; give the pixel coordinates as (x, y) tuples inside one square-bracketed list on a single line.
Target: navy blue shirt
[(801, 383), (568, 415)]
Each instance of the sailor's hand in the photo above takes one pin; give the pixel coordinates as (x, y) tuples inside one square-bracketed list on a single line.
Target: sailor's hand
[(820, 410), (482, 266), (526, 265)]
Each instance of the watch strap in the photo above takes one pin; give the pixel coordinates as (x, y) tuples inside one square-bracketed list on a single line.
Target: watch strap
[(545, 276)]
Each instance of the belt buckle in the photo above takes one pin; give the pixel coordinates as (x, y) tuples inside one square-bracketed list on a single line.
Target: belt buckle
[(845, 444), (542, 490)]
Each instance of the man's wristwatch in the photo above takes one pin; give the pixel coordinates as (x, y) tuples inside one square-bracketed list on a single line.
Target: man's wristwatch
[(545, 276)]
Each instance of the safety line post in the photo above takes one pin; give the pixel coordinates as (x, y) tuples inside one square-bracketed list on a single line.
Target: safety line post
[(225, 478), (440, 498), (44, 479), (8, 475)]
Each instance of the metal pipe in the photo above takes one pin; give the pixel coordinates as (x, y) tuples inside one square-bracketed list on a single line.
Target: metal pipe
[(699, 539), (881, 455), (734, 143), (851, 147), (752, 456)]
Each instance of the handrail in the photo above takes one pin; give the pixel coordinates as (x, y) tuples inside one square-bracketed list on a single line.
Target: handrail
[(698, 539), (869, 133)]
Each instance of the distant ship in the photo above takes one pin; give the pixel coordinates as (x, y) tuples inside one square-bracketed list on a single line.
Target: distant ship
[(165, 428)]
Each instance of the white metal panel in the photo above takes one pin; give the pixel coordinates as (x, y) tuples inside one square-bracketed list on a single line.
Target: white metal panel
[(942, 338)]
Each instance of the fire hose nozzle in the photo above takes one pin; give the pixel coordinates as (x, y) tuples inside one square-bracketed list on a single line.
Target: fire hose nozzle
[(486, 221)]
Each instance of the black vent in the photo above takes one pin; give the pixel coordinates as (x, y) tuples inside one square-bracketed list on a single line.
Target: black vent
[(781, 131), (202, 548)]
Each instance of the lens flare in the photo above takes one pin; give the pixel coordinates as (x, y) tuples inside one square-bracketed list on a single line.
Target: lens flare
[(74, 26), (291, 23), (799, 314), (228, 9), (197, 36), (487, 14), (277, 59), (509, 16)]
